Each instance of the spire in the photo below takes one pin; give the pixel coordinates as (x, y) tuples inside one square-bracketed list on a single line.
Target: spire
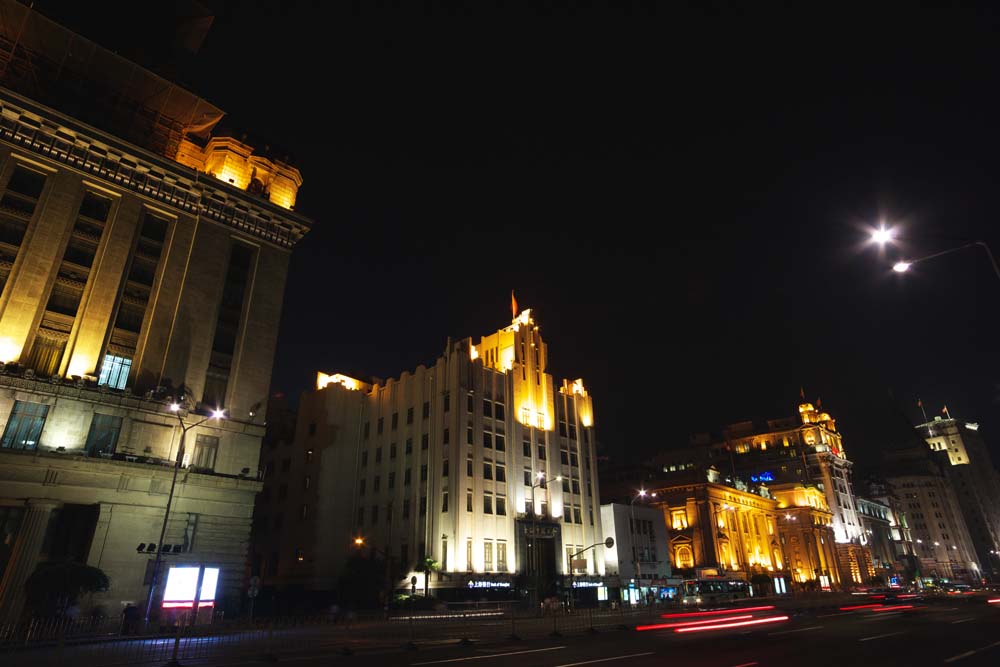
[(802, 393), (513, 306)]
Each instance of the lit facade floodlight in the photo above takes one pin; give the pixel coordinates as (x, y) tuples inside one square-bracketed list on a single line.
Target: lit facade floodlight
[(642, 493), (218, 413), (540, 475), (175, 407), (359, 541), (901, 267)]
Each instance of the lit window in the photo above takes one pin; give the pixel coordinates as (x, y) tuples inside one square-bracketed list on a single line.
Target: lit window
[(114, 371), (25, 425)]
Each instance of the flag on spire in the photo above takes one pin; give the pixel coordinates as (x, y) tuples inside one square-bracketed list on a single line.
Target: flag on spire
[(920, 404), (945, 411), (513, 306), (802, 393)]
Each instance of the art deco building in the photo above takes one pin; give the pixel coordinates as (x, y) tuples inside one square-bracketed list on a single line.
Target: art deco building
[(479, 461), (975, 481), (134, 273), (919, 480), (641, 553)]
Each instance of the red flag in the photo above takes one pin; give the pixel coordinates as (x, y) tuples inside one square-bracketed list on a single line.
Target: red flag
[(513, 305), (920, 403)]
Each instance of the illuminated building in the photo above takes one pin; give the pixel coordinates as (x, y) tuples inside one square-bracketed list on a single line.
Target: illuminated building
[(129, 280), (919, 480), (975, 481), (476, 461), (805, 524), (641, 554), (877, 521)]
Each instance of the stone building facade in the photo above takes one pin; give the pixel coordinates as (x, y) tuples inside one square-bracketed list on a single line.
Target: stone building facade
[(129, 282)]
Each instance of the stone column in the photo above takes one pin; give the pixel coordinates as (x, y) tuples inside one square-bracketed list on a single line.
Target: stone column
[(24, 557)]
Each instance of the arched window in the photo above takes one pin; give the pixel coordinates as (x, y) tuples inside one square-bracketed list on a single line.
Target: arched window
[(684, 557)]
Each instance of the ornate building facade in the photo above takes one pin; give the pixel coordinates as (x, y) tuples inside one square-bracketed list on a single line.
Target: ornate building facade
[(129, 282), (480, 461)]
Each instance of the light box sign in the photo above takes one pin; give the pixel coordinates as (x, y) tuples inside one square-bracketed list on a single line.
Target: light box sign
[(182, 582), (766, 476), (488, 584)]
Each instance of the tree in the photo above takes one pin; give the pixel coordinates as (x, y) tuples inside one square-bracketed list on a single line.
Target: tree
[(428, 565), (54, 586)]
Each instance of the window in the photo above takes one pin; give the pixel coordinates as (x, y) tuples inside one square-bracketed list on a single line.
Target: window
[(378, 455), (577, 516), (488, 556), (206, 447), (468, 554), (447, 402), (409, 446), (564, 457), (114, 371), (498, 443), (423, 505), (501, 473), (406, 477), (488, 440), (395, 420), (103, 435), (501, 555), (573, 460), (468, 466), (445, 437), (392, 450), (487, 408), (409, 415), (678, 519), (361, 486), (470, 403), (576, 486), (444, 502), (526, 449), (306, 481), (498, 411), (368, 428), (392, 480), (541, 452), (427, 410), (567, 514), (468, 500), (378, 429), (444, 468), (361, 516), (470, 438), (565, 484), (423, 472), (487, 503), (406, 508), (377, 483), (364, 458), (424, 441), (487, 470), (527, 478)]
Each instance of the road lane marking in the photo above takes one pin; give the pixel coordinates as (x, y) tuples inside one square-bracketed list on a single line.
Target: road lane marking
[(492, 655), (747, 664), (788, 632), (888, 634), (617, 657), (959, 656), (963, 620)]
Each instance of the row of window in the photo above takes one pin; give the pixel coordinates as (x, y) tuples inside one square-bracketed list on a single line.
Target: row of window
[(27, 419), (421, 506)]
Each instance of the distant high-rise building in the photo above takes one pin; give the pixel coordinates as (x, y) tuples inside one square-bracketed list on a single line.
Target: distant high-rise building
[(975, 481), (479, 461), (134, 273), (918, 479)]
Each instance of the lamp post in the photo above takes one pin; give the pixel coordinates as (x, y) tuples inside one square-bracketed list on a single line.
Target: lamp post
[(608, 543), (637, 561), (884, 235), (185, 427)]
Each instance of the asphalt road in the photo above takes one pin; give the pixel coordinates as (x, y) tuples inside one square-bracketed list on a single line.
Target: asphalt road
[(941, 633)]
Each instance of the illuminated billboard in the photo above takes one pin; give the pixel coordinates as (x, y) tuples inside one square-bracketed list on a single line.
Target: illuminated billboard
[(182, 583)]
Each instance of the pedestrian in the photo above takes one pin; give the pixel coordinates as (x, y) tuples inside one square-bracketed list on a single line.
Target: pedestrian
[(130, 620)]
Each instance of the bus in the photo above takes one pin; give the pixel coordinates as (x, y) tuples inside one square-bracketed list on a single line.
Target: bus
[(711, 591)]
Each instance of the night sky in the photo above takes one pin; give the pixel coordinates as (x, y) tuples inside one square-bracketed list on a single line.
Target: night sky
[(681, 194)]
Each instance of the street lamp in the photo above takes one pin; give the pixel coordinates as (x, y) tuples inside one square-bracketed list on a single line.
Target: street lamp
[(883, 235), (175, 408), (636, 560), (540, 476)]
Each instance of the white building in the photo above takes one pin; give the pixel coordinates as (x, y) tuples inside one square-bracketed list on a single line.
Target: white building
[(641, 554), (479, 461)]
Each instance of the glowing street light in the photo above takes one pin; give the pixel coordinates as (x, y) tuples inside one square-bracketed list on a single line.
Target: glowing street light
[(882, 235), (901, 267), (175, 408)]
